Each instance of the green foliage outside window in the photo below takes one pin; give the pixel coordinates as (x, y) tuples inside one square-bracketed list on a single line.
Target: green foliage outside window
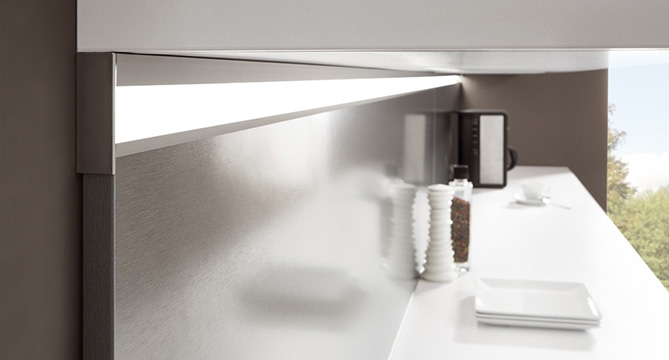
[(642, 217)]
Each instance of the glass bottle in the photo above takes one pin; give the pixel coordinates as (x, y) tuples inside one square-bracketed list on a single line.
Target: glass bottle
[(461, 215)]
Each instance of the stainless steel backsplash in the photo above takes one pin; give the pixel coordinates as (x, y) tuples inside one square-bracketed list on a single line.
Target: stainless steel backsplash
[(269, 243)]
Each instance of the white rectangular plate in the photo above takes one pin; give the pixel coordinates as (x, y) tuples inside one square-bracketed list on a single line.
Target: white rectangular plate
[(524, 318), (535, 299), (537, 324)]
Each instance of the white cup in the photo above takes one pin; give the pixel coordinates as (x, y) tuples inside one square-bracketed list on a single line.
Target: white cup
[(534, 190)]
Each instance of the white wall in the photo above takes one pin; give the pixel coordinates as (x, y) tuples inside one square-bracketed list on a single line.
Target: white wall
[(153, 25)]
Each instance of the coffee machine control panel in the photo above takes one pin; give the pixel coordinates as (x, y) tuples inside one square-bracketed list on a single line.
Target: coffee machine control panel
[(482, 139)]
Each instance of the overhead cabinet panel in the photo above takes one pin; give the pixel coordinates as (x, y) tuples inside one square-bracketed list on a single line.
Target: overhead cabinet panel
[(143, 25)]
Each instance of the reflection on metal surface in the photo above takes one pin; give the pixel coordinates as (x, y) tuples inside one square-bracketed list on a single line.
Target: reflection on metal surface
[(326, 298), (265, 243), (401, 257), (407, 244), (427, 140)]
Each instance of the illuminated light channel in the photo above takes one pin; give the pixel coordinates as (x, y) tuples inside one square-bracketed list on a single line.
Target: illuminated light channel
[(143, 112)]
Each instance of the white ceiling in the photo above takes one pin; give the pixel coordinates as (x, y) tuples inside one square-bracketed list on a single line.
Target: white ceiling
[(456, 62)]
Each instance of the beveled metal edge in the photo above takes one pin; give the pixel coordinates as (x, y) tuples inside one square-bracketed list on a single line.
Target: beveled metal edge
[(96, 80), (153, 69)]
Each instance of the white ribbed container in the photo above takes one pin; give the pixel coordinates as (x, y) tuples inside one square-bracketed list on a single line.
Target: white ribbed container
[(439, 262)]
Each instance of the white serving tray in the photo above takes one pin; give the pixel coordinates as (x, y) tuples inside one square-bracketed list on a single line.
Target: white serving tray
[(529, 300)]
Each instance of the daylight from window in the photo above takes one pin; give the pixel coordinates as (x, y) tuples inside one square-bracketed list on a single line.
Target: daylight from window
[(638, 161)]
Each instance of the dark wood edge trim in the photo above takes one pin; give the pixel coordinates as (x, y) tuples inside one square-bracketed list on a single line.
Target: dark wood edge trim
[(98, 266)]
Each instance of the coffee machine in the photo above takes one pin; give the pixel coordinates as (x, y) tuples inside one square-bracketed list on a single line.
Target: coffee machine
[(434, 142), (483, 146)]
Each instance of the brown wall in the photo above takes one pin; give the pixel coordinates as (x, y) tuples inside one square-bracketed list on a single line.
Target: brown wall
[(40, 193), (554, 119)]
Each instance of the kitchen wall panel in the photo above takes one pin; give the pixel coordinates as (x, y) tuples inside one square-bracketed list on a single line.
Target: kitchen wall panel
[(268, 242), (40, 191), (554, 119)]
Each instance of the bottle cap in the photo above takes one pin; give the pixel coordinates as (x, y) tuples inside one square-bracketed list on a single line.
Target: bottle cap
[(461, 172)]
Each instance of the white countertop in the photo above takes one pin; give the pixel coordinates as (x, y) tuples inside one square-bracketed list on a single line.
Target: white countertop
[(513, 241)]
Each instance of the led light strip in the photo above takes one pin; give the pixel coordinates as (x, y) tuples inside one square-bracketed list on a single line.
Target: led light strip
[(143, 112)]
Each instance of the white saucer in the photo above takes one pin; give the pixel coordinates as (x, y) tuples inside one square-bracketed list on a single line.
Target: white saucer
[(520, 198)]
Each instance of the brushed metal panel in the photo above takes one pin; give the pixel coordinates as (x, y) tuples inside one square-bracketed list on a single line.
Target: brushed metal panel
[(264, 243), (493, 150), (96, 79)]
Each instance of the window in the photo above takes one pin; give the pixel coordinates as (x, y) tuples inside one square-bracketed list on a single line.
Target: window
[(638, 161)]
